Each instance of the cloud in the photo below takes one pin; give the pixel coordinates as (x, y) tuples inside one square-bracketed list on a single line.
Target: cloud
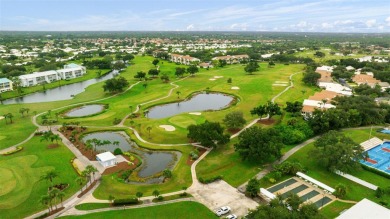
[(388, 21), (190, 27), (370, 23)]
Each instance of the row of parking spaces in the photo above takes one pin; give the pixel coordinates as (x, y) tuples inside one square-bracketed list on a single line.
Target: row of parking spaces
[(306, 191)]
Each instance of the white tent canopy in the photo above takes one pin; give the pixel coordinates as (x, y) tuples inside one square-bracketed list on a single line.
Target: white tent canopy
[(318, 183), (106, 159)]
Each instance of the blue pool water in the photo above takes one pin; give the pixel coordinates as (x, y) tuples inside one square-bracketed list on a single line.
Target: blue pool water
[(386, 131), (381, 155)]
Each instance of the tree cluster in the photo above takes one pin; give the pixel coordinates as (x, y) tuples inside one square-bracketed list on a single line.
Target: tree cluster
[(209, 134), (115, 84)]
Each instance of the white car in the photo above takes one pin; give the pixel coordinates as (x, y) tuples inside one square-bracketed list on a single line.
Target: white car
[(222, 210), (231, 216)]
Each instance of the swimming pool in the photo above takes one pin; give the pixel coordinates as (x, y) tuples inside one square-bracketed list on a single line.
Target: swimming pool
[(379, 157), (386, 131)]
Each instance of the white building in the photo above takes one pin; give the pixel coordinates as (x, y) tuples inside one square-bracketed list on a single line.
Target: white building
[(365, 209), (106, 159), (69, 71), (5, 85), (335, 87)]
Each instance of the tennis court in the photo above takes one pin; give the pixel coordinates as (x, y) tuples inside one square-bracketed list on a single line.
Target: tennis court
[(379, 157)]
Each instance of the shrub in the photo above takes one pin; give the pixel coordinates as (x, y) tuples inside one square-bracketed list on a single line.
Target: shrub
[(116, 121), (127, 201), (210, 180), (379, 192), (277, 175), (272, 180), (126, 174), (160, 198), (381, 173), (194, 154), (117, 151)]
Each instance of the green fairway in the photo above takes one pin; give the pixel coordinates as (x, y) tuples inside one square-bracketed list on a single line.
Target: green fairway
[(20, 185), (169, 211)]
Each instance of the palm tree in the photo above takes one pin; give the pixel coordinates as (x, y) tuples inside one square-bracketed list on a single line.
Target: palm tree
[(27, 110), (146, 112), (178, 94), (53, 193), (80, 181), (111, 199), (89, 146), (55, 138), (86, 175), (45, 200), (61, 196), (50, 176), (10, 116), (156, 193), (149, 128), (92, 170), (5, 118), (139, 195), (21, 111)]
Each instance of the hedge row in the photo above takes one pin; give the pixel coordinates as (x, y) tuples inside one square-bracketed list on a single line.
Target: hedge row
[(126, 201), (18, 148), (210, 180), (374, 170)]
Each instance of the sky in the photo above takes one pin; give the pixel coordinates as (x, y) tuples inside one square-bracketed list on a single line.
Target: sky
[(368, 16)]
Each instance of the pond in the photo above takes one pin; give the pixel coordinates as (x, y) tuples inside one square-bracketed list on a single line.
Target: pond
[(152, 161), (199, 102), (85, 110), (64, 92)]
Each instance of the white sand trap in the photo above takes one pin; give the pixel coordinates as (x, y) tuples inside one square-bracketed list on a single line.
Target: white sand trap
[(281, 82), (282, 85), (212, 79), (195, 113), (1, 117), (167, 128), (235, 88), (218, 76)]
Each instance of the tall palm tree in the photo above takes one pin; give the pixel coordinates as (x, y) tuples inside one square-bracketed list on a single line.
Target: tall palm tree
[(80, 180), (85, 174), (55, 138), (178, 94), (91, 170), (89, 146), (53, 193), (61, 196), (45, 200), (50, 176), (149, 128)]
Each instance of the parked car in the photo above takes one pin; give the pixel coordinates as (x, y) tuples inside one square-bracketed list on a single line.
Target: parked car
[(222, 210), (231, 216)]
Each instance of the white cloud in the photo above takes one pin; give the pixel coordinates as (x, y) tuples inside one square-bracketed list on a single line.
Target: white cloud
[(370, 23), (302, 24), (190, 27), (388, 21)]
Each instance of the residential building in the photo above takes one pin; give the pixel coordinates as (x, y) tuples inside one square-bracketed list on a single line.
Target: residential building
[(370, 81), (183, 59), (232, 59), (5, 85), (365, 209), (335, 87), (326, 73), (69, 71), (320, 100), (205, 65)]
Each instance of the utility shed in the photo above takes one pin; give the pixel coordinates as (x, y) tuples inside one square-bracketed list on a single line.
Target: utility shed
[(106, 159)]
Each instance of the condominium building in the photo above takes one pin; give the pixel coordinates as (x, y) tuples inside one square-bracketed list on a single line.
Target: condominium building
[(5, 85), (232, 59), (68, 72), (183, 59)]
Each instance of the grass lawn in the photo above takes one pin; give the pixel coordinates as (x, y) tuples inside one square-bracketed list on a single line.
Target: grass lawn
[(333, 209), (169, 211), (20, 185), (92, 206)]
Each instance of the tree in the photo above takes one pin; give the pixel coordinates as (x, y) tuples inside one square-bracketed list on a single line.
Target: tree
[(164, 78), (178, 94), (140, 75), (61, 196), (149, 128), (180, 71), (252, 188), (155, 62), (319, 54), (234, 120), (156, 193), (53, 193), (145, 85), (311, 78), (139, 195), (209, 134), (50, 176), (293, 107), (91, 170), (167, 173), (259, 144), (111, 199), (273, 109), (46, 200), (80, 181), (293, 201), (55, 138), (192, 69), (222, 62), (335, 151), (259, 111), (118, 65), (115, 84), (340, 191), (153, 72), (251, 67), (9, 116)]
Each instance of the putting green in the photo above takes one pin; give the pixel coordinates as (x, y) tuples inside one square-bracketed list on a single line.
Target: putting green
[(17, 180), (182, 121)]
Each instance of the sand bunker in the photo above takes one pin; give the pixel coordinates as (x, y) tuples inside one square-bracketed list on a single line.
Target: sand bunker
[(195, 113), (1, 117), (212, 79), (281, 82), (235, 88), (282, 85), (218, 76), (168, 128)]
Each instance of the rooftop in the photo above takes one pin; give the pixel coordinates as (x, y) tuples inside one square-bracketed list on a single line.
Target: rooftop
[(4, 80), (106, 156), (365, 209)]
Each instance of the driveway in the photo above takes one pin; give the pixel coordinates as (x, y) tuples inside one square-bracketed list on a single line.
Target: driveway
[(220, 193)]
